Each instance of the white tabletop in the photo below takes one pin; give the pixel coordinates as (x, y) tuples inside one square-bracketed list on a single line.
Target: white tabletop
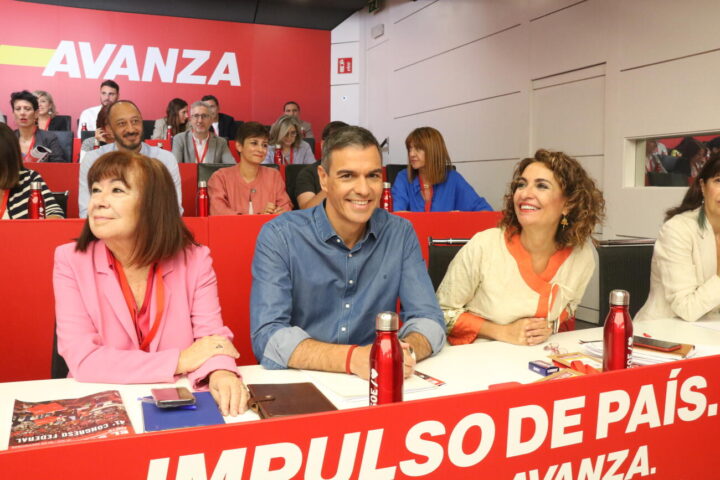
[(464, 368)]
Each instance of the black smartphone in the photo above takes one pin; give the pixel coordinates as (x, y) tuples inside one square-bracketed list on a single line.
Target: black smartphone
[(172, 397), (655, 344)]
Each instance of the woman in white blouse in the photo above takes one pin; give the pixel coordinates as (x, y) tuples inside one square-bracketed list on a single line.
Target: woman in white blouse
[(684, 281), (522, 281)]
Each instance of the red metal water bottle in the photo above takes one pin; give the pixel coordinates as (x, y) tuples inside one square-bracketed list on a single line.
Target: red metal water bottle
[(169, 135), (386, 201), (618, 334), (386, 361), (36, 204), (84, 127), (278, 158), (203, 200)]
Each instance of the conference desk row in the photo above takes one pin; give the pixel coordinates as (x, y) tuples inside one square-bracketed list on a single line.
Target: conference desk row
[(655, 422), (26, 262)]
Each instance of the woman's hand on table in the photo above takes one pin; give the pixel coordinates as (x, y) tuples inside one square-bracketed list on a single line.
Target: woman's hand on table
[(229, 392), (526, 331), (201, 350)]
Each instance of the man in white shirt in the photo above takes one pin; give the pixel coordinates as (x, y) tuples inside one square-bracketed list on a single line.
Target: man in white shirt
[(197, 144), (109, 91), (125, 122), (293, 109)]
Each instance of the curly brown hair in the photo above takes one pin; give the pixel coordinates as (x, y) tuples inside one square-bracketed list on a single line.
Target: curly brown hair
[(585, 202)]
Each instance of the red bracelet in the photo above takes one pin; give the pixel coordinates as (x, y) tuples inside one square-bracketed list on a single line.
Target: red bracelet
[(347, 359)]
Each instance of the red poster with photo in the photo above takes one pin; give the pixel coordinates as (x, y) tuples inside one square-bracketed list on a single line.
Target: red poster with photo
[(252, 69)]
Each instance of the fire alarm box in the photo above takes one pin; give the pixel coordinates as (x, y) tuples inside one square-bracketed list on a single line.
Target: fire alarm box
[(344, 65)]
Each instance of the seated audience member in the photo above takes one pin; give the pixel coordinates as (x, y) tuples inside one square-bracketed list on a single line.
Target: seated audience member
[(684, 279), (429, 184), (176, 117), (126, 125), (109, 91), (692, 157), (15, 181), (293, 109), (103, 134), (522, 281), (135, 296), (222, 124), (307, 184), (357, 257), (198, 145), (36, 145), (47, 113), (248, 188), (2, 117), (284, 134)]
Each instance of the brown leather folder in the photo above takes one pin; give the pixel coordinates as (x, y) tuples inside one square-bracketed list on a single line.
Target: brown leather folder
[(271, 400)]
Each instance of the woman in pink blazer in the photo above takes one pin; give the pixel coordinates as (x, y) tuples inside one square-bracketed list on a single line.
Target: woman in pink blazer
[(135, 297)]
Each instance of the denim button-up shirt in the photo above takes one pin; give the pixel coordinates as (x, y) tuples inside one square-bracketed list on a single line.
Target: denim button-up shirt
[(308, 284)]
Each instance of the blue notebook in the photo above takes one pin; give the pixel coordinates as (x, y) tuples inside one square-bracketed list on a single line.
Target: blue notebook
[(206, 413)]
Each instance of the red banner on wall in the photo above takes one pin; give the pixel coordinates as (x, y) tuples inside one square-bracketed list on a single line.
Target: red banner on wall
[(252, 69), (656, 422)]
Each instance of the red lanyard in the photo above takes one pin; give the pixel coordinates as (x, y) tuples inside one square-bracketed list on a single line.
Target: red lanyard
[(29, 150), (198, 158), (132, 306), (292, 152), (428, 203), (3, 205)]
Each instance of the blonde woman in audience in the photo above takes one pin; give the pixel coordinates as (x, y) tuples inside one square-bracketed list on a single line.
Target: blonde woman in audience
[(135, 296), (48, 118), (685, 271), (522, 281), (248, 188), (285, 135)]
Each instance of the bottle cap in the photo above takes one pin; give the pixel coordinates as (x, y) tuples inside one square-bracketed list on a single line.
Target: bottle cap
[(35, 186), (387, 321), (387, 185), (619, 297), (202, 184)]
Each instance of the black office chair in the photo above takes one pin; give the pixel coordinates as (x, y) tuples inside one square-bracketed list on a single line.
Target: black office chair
[(291, 173), (440, 254), (65, 138), (86, 134), (625, 265), (391, 171), (62, 199), (61, 123), (657, 179), (311, 142), (236, 125), (58, 367), (148, 128), (205, 170)]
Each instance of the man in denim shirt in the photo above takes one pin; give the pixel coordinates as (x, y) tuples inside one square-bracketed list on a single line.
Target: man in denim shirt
[(321, 275)]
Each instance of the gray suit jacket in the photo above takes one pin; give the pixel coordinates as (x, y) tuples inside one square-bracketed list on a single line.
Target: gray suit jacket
[(218, 151)]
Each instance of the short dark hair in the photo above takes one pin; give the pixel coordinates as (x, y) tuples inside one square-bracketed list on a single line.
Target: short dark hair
[(23, 95), (161, 233), (249, 130), (291, 102), (331, 128), (10, 158), (211, 97), (351, 136), (111, 84)]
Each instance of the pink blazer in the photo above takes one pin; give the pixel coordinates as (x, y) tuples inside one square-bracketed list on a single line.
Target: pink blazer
[(95, 331)]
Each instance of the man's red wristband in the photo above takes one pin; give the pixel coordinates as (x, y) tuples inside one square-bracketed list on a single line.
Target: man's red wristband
[(348, 358)]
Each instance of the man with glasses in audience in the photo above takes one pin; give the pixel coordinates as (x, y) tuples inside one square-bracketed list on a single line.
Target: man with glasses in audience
[(321, 275), (222, 124), (126, 124), (197, 144)]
